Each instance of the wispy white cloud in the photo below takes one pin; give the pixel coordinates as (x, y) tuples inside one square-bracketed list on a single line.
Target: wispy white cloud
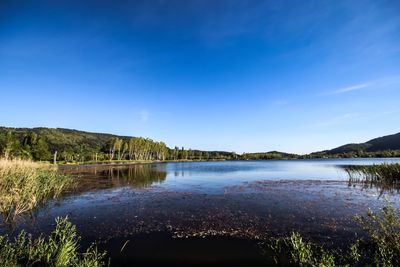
[(144, 115), (351, 88), (338, 120), (373, 84)]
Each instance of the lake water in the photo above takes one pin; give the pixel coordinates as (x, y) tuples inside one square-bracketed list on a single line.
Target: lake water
[(210, 212), (216, 175)]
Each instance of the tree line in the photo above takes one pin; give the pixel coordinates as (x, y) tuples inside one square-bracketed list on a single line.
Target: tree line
[(72, 146), (33, 145)]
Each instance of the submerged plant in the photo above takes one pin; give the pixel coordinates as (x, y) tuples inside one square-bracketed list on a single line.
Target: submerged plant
[(60, 249), (26, 184)]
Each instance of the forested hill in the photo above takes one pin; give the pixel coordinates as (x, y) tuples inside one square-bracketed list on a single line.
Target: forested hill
[(59, 139), (74, 146), (386, 145), (269, 155), (79, 146)]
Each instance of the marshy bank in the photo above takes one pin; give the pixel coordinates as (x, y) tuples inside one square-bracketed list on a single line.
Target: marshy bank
[(24, 187), (25, 184), (209, 212)]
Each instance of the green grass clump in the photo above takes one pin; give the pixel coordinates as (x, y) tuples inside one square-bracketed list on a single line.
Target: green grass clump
[(301, 253), (60, 249), (381, 248), (386, 174), (383, 245), (26, 184)]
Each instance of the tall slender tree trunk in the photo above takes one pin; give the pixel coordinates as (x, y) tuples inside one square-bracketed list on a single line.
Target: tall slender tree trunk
[(55, 158)]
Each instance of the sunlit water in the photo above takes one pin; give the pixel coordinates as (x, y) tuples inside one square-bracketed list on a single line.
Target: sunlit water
[(216, 175)]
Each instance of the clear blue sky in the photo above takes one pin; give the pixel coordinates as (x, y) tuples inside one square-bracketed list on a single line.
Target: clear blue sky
[(295, 76)]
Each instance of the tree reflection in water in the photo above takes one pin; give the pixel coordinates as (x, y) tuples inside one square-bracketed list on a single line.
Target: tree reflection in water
[(136, 176)]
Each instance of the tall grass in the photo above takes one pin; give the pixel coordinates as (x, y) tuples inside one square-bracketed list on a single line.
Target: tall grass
[(26, 184), (385, 174), (60, 249), (380, 248)]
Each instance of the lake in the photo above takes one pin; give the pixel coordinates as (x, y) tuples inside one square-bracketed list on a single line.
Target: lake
[(209, 212)]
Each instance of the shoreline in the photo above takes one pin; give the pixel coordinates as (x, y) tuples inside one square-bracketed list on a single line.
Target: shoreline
[(125, 163)]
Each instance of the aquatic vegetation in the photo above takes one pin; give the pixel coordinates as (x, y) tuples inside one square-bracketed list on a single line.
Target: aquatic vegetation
[(26, 184), (59, 249), (386, 174), (380, 248), (301, 253), (383, 245)]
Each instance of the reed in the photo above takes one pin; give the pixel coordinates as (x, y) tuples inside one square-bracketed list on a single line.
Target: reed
[(386, 174), (26, 184)]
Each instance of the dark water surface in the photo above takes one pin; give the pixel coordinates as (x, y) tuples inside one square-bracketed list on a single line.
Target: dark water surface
[(209, 212)]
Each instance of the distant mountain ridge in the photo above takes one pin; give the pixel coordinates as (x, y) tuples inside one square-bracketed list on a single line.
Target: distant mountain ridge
[(388, 142)]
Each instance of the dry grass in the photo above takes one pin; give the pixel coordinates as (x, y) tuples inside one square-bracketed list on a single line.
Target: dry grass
[(26, 184)]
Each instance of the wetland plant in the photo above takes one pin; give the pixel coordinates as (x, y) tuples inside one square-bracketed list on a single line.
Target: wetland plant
[(60, 249), (300, 252), (384, 174), (26, 184), (383, 244), (381, 247)]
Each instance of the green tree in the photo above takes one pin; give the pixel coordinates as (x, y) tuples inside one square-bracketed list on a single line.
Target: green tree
[(118, 143), (36, 147), (40, 150), (12, 146)]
